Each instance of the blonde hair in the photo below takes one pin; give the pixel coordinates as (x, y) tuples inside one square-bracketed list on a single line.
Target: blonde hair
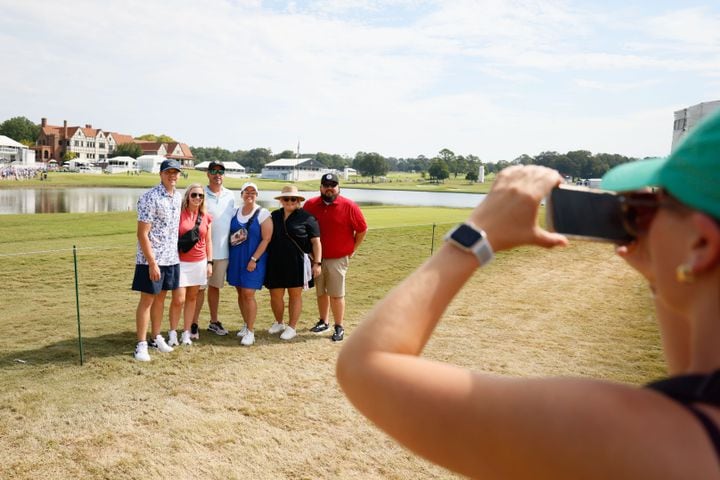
[(186, 197)]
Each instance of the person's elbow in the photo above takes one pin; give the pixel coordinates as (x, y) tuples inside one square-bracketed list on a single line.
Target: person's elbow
[(347, 367)]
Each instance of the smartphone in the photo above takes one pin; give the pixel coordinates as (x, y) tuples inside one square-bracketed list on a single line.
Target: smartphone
[(585, 213)]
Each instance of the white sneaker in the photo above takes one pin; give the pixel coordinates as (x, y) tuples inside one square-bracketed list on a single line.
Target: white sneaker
[(161, 345), (172, 340), (243, 331), (288, 334), (141, 352), (248, 339), (276, 328), (185, 338)]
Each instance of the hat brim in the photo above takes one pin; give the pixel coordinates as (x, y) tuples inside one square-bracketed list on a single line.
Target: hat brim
[(634, 175), (280, 197)]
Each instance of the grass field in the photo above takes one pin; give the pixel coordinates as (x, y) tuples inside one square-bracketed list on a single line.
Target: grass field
[(220, 411)]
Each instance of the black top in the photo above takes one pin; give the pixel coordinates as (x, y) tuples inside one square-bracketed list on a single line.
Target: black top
[(690, 389), (285, 260)]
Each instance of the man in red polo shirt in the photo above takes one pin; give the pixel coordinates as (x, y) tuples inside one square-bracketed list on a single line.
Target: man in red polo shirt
[(342, 230)]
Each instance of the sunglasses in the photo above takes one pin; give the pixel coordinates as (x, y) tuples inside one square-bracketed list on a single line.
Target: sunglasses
[(197, 195), (216, 172), (639, 210), (291, 199), (329, 185)]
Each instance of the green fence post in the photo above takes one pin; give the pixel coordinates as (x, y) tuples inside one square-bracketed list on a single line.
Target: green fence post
[(432, 242), (77, 305)]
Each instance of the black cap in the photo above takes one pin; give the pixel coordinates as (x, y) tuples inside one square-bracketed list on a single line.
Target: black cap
[(329, 178), (216, 163)]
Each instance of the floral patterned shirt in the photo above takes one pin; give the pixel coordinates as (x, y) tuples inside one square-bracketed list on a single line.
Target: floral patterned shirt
[(162, 211)]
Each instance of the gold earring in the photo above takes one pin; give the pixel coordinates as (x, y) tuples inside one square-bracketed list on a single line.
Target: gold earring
[(684, 273)]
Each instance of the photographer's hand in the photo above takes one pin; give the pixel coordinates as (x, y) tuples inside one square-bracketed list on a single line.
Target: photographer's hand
[(510, 211)]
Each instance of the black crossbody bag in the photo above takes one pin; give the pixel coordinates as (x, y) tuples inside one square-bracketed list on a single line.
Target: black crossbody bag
[(187, 240)]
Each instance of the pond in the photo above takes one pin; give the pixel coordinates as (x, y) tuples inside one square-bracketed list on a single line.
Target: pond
[(85, 200)]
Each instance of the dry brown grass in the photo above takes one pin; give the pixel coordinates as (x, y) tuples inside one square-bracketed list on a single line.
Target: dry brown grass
[(219, 411)]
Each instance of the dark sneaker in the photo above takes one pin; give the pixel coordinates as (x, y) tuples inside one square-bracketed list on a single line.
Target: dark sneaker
[(194, 332), (339, 333), (320, 327), (217, 328)]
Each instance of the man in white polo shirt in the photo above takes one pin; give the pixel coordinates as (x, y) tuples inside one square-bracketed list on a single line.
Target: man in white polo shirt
[(220, 204)]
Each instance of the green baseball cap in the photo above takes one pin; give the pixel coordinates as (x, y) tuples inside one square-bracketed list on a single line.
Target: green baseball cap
[(691, 173)]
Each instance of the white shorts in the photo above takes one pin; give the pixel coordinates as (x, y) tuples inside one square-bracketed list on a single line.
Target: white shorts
[(193, 273)]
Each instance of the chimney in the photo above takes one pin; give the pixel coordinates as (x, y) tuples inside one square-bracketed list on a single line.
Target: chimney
[(87, 125), (65, 129), (43, 122)]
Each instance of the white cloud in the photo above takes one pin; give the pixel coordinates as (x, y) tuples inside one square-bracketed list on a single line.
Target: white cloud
[(489, 77)]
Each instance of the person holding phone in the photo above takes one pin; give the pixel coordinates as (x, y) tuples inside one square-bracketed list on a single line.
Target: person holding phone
[(488, 426)]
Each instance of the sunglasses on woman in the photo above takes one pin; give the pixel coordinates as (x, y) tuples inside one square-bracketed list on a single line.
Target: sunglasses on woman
[(197, 195), (639, 210), (291, 199)]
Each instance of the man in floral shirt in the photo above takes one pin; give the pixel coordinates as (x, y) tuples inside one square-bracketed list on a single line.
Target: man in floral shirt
[(157, 264)]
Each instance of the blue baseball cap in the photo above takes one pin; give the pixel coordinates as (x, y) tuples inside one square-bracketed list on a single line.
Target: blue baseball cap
[(170, 163)]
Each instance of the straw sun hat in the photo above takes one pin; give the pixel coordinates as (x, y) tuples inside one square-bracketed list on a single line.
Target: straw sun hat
[(290, 191)]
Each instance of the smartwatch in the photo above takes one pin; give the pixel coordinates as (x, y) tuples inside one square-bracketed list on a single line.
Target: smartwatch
[(470, 238)]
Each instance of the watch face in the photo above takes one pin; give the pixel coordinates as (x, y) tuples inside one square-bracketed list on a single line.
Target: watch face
[(466, 236)]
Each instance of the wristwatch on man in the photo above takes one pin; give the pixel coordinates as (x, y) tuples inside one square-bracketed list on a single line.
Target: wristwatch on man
[(470, 238)]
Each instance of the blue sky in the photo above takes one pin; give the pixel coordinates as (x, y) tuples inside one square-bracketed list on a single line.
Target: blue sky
[(493, 78)]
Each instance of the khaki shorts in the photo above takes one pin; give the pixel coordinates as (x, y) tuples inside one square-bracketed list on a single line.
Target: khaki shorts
[(332, 279), (217, 279)]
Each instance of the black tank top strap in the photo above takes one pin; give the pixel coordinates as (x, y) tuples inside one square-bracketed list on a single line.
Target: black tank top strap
[(690, 389)]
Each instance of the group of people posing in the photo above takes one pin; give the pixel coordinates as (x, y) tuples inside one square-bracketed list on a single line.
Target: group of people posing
[(191, 244)]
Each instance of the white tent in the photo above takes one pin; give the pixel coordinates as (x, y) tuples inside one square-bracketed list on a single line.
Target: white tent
[(229, 166), (121, 165), (150, 163)]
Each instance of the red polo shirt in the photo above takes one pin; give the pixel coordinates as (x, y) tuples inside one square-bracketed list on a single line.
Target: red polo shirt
[(339, 222)]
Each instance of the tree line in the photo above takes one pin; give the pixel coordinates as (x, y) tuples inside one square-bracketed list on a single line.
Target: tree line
[(575, 164)]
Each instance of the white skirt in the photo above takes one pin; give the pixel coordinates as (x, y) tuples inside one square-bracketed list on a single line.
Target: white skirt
[(193, 273)]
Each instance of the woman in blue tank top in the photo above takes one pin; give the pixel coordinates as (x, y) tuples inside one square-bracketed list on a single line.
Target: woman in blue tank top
[(250, 232)]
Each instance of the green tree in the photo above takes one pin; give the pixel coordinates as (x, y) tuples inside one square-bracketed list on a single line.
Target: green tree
[(451, 160), (370, 164), (438, 170), (151, 137), (255, 159), (127, 150), (285, 154), (333, 160), (67, 156), (21, 130), (472, 176)]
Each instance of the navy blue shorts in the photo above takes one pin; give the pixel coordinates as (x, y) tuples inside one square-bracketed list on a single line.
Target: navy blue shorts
[(169, 279)]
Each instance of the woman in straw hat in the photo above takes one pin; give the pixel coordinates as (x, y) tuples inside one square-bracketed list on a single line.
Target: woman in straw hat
[(295, 256), (487, 426)]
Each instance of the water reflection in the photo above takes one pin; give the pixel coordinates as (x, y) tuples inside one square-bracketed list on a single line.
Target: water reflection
[(85, 200)]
